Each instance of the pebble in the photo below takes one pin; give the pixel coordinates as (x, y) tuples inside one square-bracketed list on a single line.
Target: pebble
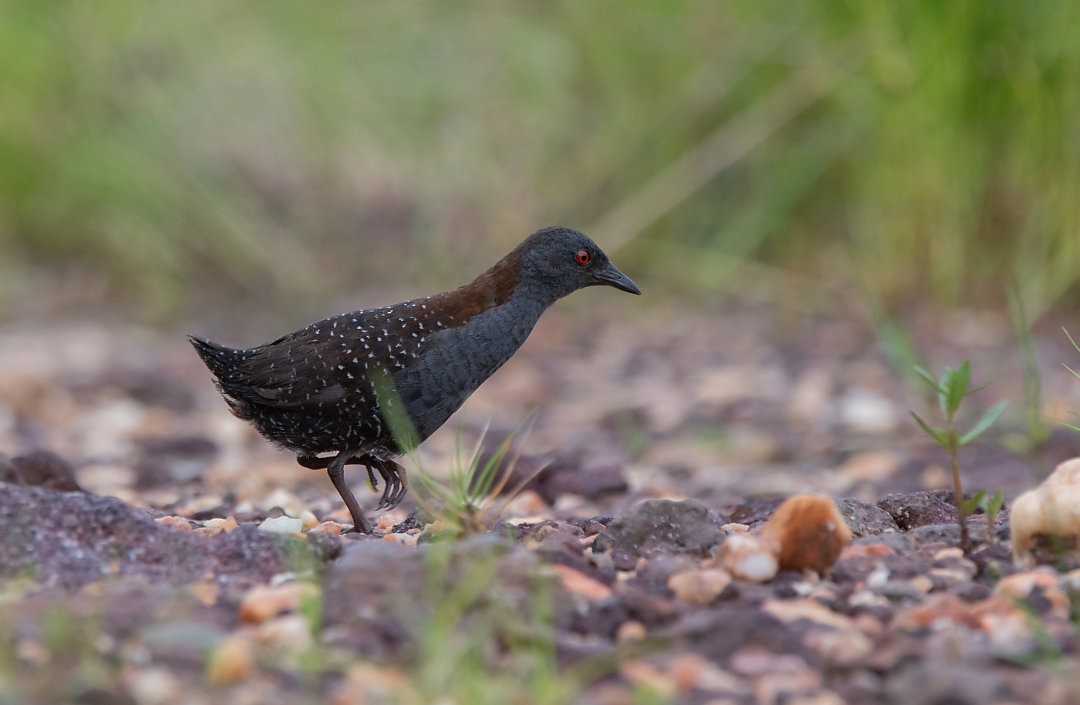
[(327, 527), (207, 592), (175, 522), (218, 525), (152, 686), (630, 630), (577, 583), (231, 661), (840, 647), (789, 611), (649, 677), (291, 632), (809, 531), (263, 602), (281, 525), (748, 557), (699, 587), (1019, 586), (692, 671)]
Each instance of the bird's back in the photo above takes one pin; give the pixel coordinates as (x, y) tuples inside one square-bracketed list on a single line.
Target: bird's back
[(334, 383)]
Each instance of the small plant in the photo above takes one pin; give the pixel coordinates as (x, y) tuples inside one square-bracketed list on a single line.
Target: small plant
[(989, 504), (466, 500), (951, 388)]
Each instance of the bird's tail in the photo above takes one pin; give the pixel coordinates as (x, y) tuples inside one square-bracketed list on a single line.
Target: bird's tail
[(218, 358)]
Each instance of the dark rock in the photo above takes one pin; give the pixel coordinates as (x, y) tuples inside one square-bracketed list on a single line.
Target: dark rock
[(866, 518), (755, 510), (972, 592), (369, 594), (935, 535), (941, 682), (40, 468), (656, 526), (592, 525), (590, 483), (381, 595), (993, 561), (173, 460), (914, 509), (68, 539), (718, 632), (552, 477)]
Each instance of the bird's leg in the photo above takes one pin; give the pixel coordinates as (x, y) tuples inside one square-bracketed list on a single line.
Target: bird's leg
[(315, 462), (336, 470)]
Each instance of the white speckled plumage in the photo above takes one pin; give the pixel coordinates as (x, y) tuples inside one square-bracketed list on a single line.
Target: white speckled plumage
[(322, 388)]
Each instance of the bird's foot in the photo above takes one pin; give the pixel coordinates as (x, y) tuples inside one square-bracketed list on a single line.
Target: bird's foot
[(395, 484)]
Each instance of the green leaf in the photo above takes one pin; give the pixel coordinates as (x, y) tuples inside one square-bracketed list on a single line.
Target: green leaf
[(969, 505), (936, 434), (929, 378), (956, 383), (984, 423), (994, 504)]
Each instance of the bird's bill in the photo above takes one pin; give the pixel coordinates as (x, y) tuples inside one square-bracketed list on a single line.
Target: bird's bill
[(611, 276)]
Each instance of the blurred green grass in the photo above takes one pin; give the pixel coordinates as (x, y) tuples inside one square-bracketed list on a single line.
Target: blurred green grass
[(174, 155)]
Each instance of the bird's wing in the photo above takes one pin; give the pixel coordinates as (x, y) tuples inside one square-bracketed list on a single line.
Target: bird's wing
[(329, 361)]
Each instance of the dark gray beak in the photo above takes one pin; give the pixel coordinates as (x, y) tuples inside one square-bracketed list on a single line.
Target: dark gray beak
[(611, 276)]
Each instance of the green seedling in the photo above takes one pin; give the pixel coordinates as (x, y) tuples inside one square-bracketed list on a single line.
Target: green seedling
[(990, 505), (474, 490), (951, 388)]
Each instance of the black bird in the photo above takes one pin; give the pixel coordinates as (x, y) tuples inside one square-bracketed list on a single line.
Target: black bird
[(371, 384)]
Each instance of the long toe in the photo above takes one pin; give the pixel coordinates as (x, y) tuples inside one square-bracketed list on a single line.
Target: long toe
[(401, 484), (391, 487)]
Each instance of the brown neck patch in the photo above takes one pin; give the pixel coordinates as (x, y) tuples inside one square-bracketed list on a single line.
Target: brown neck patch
[(492, 288)]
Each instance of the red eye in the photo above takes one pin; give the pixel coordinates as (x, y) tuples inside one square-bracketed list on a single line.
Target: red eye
[(582, 257)]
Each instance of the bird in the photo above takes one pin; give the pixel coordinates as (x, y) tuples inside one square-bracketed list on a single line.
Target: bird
[(367, 386)]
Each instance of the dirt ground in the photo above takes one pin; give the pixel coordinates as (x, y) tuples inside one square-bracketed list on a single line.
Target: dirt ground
[(149, 556)]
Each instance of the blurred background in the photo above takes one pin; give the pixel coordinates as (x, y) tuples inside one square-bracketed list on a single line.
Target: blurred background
[(166, 161)]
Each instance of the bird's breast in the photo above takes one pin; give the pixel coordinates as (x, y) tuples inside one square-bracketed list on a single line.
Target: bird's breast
[(456, 361)]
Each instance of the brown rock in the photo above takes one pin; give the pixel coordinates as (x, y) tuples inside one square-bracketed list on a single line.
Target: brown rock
[(231, 662), (577, 583), (263, 602), (809, 531)]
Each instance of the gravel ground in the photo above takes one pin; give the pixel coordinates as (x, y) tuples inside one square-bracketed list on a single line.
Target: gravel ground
[(158, 551)]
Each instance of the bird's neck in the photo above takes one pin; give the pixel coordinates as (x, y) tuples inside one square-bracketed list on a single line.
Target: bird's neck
[(504, 288)]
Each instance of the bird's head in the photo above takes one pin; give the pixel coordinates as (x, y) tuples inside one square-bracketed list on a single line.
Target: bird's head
[(563, 260)]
